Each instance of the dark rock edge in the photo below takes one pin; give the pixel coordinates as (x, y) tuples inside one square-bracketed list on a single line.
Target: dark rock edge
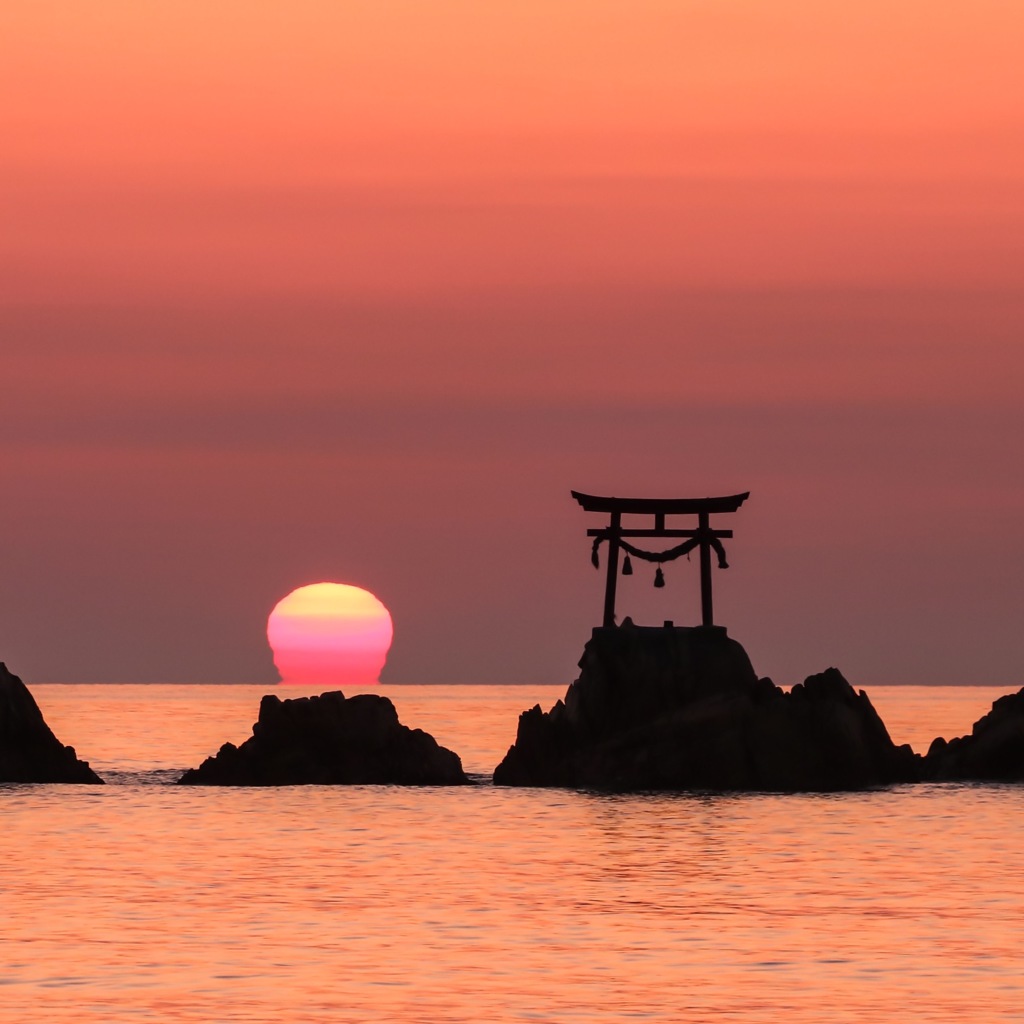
[(29, 751)]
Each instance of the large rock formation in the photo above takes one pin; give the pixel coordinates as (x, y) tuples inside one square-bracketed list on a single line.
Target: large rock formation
[(29, 752), (330, 740), (994, 751), (681, 708)]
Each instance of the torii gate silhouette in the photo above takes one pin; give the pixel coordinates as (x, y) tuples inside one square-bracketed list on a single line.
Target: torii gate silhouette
[(703, 536)]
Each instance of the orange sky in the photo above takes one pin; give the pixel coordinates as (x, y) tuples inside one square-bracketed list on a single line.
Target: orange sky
[(352, 90), (315, 148), (359, 290)]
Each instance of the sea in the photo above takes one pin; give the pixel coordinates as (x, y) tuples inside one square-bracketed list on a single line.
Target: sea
[(143, 901)]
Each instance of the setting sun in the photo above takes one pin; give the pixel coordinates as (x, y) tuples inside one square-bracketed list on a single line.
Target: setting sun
[(329, 633)]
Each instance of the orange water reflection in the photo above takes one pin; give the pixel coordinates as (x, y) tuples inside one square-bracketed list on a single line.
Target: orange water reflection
[(346, 904)]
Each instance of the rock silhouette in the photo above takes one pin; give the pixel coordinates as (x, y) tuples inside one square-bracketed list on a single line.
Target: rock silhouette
[(993, 752), (29, 752), (682, 708), (330, 740)]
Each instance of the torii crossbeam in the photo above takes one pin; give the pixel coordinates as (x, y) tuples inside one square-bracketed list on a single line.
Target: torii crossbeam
[(703, 537)]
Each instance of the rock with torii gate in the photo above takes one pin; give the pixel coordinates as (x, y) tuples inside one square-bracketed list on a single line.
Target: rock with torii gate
[(681, 707), (677, 708)]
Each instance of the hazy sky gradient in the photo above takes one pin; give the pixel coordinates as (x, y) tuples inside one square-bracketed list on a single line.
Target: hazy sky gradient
[(359, 291)]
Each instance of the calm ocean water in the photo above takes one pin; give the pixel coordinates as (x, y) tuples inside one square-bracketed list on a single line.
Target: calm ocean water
[(141, 901)]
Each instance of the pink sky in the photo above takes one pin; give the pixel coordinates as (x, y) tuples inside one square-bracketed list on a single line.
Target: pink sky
[(359, 291)]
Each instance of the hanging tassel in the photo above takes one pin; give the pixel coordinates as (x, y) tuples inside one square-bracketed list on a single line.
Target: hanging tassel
[(627, 567), (659, 578)]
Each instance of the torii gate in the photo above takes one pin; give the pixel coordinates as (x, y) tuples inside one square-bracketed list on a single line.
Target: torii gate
[(703, 537)]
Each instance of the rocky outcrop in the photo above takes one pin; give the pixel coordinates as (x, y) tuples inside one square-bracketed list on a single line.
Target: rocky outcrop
[(682, 708), (994, 751), (29, 752), (330, 740)]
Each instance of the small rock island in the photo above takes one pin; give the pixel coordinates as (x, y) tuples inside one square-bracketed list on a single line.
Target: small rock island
[(330, 740), (29, 751)]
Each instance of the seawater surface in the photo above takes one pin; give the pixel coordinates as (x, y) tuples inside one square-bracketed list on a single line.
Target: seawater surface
[(143, 901)]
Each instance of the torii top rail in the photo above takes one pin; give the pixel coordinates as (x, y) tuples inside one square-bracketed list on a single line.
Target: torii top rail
[(703, 537)]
